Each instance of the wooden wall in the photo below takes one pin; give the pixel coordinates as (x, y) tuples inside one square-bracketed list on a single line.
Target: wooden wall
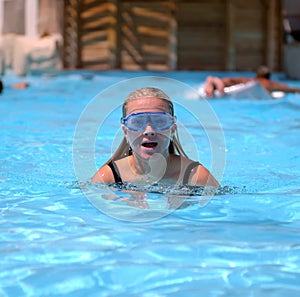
[(172, 34), (229, 34)]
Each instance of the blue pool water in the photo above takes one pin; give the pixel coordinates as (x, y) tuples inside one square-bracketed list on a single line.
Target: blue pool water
[(54, 242)]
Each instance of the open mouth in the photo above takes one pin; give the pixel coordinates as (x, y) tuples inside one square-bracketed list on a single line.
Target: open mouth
[(149, 144)]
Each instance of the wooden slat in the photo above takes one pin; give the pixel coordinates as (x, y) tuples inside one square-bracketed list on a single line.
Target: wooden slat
[(145, 35), (172, 34)]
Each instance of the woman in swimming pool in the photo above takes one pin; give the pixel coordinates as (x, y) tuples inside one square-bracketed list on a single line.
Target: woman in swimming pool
[(150, 151)]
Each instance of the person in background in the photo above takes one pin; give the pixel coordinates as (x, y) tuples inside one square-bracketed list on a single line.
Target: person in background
[(18, 86), (150, 151), (263, 77)]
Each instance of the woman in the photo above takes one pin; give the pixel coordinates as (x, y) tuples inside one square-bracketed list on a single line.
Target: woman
[(150, 151)]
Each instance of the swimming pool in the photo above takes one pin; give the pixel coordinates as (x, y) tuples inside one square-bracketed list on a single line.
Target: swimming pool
[(54, 242)]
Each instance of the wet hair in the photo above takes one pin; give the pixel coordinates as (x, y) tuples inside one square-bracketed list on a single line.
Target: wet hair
[(124, 149), (263, 72), (1, 86), (151, 93)]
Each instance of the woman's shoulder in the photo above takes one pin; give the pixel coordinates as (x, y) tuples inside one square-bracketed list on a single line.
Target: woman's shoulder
[(110, 172), (197, 174), (200, 175), (104, 175)]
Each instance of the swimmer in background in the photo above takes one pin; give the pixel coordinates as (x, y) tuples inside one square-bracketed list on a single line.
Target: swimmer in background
[(263, 77), (150, 151), (19, 86)]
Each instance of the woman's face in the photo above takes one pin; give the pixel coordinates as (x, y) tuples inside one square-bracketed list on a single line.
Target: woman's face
[(149, 141)]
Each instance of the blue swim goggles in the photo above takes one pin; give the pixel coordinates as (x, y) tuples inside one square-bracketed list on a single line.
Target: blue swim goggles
[(138, 122)]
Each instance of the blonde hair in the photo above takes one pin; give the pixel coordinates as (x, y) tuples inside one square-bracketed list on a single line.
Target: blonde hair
[(124, 149)]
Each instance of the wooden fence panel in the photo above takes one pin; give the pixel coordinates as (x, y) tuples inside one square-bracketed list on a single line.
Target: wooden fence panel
[(172, 34), (201, 34), (71, 52), (98, 34), (147, 35)]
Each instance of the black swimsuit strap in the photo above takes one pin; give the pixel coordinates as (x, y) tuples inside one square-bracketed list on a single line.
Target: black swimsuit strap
[(115, 171), (185, 180), (188, 171)]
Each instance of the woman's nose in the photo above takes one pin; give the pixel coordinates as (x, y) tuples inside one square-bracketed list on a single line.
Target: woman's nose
[(149, 131)]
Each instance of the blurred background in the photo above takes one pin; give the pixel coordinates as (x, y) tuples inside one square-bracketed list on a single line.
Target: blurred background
[(223, 35)]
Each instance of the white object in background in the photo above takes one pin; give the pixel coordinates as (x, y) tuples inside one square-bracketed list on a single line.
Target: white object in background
[(36, 54), (248, 90)]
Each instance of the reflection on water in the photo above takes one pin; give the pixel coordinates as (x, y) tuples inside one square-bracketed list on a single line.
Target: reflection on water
[(184, 190), (156, 196)]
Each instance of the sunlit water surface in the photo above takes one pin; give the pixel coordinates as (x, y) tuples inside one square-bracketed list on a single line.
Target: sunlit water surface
[(55, 242)]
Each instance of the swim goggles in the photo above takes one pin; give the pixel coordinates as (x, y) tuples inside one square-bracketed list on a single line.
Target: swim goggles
[(138, 122)]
